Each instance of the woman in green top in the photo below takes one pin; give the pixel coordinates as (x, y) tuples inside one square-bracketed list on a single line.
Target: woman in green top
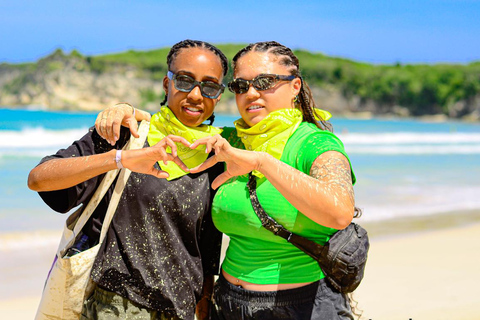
[(304, 181)]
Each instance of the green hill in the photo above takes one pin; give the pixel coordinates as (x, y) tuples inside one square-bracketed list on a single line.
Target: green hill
[(340, 85)]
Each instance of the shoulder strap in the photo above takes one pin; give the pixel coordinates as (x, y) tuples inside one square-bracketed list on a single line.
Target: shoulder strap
[(310, 247), (134, 143)]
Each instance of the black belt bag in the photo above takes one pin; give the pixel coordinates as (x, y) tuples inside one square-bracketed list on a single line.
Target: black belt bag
[(342, 258)]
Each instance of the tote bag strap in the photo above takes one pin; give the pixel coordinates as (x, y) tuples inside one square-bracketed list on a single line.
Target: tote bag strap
[(107, 181), (93, 203), (134, 143)]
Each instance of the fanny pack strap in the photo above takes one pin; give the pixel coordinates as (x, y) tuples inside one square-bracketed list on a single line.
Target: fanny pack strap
[(310, 247)]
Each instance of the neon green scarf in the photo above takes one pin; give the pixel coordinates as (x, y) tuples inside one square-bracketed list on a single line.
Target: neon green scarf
[(271, 133), (164, 123), (320, 115)]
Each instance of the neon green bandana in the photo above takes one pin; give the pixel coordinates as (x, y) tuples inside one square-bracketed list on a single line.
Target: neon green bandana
[(271, 133), (320, 115), (164, 123)]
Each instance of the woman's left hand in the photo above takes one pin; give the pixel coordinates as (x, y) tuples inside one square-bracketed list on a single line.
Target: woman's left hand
[(239, 162), (205, 305), (203, 309)]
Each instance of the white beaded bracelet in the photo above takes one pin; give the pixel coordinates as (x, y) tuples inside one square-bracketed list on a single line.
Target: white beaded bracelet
[(118, 159)]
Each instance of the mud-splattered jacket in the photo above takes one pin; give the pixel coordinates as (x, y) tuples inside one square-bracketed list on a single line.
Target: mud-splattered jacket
[(161, 241)]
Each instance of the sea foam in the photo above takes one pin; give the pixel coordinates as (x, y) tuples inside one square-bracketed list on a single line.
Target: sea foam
[(39, 137)]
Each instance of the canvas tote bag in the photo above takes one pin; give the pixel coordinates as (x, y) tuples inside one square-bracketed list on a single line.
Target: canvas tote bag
[(68, 282)]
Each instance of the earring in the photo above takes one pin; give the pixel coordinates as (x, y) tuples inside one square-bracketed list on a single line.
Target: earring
[(295, 102)]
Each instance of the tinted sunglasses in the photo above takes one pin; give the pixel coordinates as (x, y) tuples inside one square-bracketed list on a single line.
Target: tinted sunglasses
[(260, 83), (184, 83)]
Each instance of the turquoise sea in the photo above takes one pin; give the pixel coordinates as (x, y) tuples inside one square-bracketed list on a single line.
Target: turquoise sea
[(404, 167)]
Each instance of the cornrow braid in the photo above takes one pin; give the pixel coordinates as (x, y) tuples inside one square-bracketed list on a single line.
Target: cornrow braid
[(211, 118), (164, 100), (196, 44), (287, 58)]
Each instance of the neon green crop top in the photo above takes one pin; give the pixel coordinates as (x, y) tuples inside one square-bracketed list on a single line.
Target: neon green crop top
[(255, 254)]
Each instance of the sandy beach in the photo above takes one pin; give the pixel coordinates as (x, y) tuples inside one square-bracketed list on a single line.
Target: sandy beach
[(423, 275), (410, 275)]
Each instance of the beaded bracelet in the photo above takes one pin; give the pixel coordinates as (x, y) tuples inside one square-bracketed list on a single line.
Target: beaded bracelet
[(118, 159)]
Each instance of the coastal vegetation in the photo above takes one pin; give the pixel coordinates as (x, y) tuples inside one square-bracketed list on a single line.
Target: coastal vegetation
[(75, 81)]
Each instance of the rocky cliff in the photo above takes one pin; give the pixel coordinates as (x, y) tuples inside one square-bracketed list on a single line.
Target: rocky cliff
[(61, 82)]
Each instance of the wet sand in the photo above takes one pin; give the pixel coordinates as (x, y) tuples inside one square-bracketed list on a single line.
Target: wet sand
[(417, 269)]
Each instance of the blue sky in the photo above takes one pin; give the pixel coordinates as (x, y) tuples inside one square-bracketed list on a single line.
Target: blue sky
[(386, 31)]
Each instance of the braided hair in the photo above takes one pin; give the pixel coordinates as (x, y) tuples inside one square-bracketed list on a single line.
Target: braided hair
[(185, 44), (287, 58)]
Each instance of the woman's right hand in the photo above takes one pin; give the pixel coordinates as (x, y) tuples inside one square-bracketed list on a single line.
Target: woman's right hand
[(122, 114), (239, 162), (143, 160)]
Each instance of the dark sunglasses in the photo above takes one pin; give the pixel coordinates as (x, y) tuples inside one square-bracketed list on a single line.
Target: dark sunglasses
[(260, 83), (184, 83)]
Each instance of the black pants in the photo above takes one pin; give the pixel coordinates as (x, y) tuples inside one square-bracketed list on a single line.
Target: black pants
[(314, 301)]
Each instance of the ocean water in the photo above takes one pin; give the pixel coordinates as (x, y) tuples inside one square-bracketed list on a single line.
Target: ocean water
[(403, 167)]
